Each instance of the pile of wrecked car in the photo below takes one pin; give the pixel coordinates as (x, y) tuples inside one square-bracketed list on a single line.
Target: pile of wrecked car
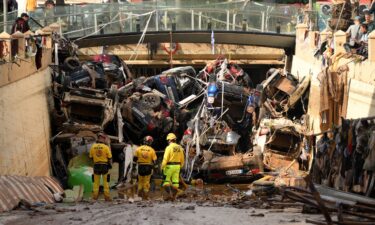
[(230, 129)]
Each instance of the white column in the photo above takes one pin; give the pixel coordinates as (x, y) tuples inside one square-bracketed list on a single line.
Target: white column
[(21, 6)]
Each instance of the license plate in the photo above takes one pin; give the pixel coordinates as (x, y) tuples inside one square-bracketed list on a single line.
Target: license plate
[(233, 172)]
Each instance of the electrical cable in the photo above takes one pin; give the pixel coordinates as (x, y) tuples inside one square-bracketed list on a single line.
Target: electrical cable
[(142, 38)]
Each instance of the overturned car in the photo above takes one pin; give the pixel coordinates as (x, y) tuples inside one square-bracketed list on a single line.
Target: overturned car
[(87, 108)]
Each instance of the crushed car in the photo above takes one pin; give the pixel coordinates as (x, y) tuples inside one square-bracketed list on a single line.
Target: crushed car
[(87, 108), (217, 113), (244, 167), (280, 93), (283, 145)]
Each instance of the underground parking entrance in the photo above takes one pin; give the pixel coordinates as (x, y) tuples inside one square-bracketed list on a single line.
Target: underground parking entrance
[(215, 106), (217, 119), (239, 117)]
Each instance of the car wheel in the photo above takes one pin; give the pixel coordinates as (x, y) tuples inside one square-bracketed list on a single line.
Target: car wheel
[(151, 100), (71, 63)]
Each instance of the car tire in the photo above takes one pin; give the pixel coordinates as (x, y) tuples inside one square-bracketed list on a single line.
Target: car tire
[(71, 63), (151, 100)]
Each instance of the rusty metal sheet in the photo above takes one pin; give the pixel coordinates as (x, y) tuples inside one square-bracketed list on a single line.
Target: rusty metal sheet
[(32, 189), (278, 162), (285, 85)]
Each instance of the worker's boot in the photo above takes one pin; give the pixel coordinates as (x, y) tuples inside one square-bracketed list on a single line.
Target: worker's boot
[(140, 193), (145, 195), (167, 194), (180, 192), (95, 197), (174, 194), (107, 198)]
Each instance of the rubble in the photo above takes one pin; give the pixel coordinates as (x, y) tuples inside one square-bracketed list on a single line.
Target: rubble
[(88, 109), (349, 208), (344, 157), (201, 108), (233, 130)]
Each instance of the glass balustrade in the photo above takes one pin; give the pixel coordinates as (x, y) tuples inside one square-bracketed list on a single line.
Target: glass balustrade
[(96, 19)]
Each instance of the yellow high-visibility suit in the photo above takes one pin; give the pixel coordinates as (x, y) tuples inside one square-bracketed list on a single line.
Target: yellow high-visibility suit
[(173, 160), (146, 157), (101, 154)]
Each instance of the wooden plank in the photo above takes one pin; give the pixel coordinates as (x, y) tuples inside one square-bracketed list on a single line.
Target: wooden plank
[(202, 62)]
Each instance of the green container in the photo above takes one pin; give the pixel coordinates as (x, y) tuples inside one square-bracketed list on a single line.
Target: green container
[(80, 176), (80, 172)]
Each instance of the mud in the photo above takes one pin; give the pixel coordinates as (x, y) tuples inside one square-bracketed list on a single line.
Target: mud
[(152, 213), (210, 204)]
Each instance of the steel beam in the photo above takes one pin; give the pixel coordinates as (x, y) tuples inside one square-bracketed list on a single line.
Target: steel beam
[(221, 37)]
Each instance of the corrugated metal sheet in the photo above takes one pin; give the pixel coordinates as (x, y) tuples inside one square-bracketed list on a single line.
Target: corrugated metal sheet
[(31, 189)]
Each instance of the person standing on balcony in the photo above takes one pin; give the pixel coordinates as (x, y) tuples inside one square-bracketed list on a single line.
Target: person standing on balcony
[(363, 44), (25, 17), (12, 5), (369, 21), (372, 8), (21, 24), (49, 12), (49, 4), (354, 34)]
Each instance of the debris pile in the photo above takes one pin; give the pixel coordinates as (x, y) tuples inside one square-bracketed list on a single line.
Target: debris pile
[(230, 130), (349, 208), (345, 157)]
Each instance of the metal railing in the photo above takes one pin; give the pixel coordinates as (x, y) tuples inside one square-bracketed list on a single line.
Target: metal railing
[(91, 19)]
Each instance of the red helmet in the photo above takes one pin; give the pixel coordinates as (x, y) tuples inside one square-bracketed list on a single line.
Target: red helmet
[(101, 137), (148, 140)]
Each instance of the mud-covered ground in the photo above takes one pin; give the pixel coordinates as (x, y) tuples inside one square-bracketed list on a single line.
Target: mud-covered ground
[(215, 204), (152, 213)]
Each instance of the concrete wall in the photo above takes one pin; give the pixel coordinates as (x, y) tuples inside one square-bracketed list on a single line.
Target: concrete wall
[(24, 118), (361, 73), (12, 72), (25, 126), (192, 54)]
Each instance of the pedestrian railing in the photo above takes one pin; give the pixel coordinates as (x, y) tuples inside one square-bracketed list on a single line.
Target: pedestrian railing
[(82, 20)]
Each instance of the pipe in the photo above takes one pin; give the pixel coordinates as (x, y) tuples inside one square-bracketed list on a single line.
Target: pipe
[(5, 11), (56, 54)]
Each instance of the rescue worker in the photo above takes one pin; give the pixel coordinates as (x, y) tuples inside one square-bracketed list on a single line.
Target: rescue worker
[(173, 160), (101, 154), (145, 156)]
